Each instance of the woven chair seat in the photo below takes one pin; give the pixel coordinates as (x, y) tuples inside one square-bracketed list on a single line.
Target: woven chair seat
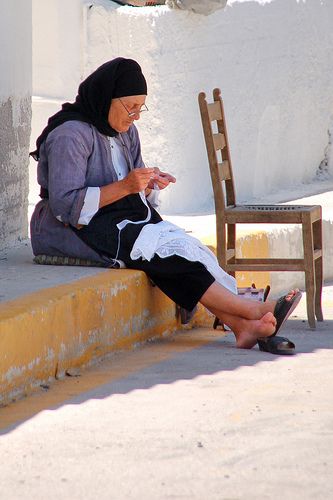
[(273, 208)]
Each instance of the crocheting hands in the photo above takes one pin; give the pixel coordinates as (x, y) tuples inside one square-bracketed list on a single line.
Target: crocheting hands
[(138, 179), (160, 179)]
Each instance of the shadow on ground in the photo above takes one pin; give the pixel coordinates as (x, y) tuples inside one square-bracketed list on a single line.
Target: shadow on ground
[(219, 355)]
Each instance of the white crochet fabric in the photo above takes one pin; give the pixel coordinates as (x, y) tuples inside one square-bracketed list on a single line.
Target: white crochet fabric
[(165, 239)]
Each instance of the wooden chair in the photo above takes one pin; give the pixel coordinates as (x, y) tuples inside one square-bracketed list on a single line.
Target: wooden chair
[(228, 214)]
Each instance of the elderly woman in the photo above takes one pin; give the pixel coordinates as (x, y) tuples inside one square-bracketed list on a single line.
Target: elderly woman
[(98, 202)]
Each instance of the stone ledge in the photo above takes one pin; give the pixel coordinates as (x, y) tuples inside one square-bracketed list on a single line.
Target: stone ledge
[(46, 333)]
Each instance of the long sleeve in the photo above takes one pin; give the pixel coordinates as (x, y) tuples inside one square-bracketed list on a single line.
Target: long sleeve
[(90, 205), (67, 152)]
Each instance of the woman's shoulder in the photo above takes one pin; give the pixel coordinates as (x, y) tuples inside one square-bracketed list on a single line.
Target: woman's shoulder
[(72, 128), (71, 135)]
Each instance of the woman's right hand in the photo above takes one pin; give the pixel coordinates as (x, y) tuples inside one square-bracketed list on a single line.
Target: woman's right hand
[(138, 179)]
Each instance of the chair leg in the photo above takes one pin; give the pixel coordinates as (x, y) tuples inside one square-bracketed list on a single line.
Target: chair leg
[(317, 240), (310, 295), (231, 243), (221, 241), (319, 287), (307, 230)]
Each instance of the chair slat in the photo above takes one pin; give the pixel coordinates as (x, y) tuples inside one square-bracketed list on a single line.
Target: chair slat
[(266, 265), (214, 111), (224, 170), (219, 141)]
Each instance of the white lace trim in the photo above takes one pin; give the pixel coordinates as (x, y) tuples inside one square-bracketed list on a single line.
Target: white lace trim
[(165, 239)]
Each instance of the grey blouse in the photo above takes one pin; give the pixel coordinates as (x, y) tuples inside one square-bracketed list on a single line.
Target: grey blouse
[(74, 157)]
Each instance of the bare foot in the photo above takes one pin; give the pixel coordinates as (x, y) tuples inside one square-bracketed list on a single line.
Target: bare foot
[(250, 331)]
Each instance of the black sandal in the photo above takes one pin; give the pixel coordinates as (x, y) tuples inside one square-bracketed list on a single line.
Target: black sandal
[(276, 345), (282, 311), (284, 308)]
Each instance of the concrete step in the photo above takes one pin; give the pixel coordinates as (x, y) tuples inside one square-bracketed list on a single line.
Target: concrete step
[(50, 332), (55, 319)]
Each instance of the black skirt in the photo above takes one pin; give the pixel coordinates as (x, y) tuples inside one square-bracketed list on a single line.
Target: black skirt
[(183, 281)]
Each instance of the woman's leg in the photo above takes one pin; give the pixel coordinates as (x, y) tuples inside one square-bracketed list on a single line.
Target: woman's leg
[(222, 301), (248, 319), (247, 331)]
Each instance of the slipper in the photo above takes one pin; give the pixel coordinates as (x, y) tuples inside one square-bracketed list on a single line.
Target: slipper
[(282, 311), (284, 308), (276, 345)]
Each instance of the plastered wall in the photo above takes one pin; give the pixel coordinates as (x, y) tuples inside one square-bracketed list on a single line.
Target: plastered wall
[(272, 59), (15, 117)]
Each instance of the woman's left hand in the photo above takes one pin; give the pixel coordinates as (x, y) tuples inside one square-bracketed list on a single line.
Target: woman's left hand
[(161, 179)]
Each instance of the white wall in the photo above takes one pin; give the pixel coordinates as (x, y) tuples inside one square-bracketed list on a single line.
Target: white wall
[(15, 115), (272, 59), (59, 58), (58, 49)]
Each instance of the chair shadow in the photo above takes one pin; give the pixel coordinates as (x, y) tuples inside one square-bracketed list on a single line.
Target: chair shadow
[(208, 359)]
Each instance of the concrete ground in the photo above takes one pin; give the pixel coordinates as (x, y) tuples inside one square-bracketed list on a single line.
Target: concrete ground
[(187, 417)]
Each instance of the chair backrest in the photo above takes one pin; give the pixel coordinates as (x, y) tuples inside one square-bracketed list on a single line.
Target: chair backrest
[(217, 150)]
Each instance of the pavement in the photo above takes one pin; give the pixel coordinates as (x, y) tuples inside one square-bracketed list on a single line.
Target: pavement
[(184, 417), (124, 405)]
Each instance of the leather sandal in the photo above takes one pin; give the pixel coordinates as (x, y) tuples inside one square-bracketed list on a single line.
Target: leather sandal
[(284, 308), (282, 311), (276, 345)]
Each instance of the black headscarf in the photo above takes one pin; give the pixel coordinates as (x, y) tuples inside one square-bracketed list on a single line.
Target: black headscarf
[(117, 78)]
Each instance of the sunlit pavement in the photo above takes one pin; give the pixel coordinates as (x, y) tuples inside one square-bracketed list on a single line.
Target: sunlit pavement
[(189, 417)]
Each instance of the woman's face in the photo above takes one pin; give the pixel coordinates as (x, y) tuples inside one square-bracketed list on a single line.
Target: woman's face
[(120, 109)]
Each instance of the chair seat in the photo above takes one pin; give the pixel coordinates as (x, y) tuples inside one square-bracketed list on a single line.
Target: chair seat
[(273, 214)]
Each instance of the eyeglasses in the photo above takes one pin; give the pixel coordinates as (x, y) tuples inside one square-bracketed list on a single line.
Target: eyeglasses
[(134, 113)]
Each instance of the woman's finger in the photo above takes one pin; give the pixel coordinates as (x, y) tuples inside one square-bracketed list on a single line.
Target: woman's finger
[(162, 184), (170, 177)]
